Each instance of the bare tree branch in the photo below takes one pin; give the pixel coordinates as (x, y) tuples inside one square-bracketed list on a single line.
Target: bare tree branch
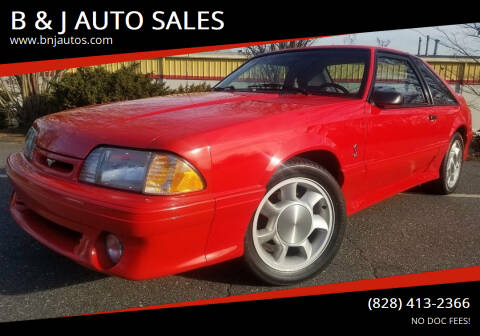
[(266, 48), (382, 42), (464, 43), (23, 96)]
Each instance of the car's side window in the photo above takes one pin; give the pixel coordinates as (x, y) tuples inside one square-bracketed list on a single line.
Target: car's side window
[(440, 93), (397, 75)]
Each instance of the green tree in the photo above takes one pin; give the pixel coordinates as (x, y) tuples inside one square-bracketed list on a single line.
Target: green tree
[(88, 86)]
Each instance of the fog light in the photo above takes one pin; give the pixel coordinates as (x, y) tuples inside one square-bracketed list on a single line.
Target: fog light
[(114, 247)]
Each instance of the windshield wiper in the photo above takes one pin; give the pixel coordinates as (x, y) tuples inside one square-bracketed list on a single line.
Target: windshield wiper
[(266, 86), (279, 87), (230, 88)]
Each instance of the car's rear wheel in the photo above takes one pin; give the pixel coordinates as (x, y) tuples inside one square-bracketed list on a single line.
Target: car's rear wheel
[(450, 169), (298, 225)]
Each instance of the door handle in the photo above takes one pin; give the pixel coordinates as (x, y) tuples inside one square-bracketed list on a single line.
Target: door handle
[(432, 117)]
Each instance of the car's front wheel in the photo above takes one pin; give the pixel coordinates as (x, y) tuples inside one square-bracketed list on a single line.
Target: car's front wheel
[(298, 225)]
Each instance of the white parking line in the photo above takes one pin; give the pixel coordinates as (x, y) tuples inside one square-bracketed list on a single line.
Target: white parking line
[(450, 195), (3, 176), (464, 195)]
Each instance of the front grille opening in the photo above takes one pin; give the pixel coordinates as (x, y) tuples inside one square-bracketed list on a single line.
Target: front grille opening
[(60, 166)]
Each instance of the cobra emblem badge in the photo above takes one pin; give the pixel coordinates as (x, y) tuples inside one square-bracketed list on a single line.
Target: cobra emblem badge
[(355, 150), (50, 162)]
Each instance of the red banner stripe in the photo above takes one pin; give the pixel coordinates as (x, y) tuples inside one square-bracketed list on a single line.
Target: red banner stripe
[(58, 64), (411, 280)]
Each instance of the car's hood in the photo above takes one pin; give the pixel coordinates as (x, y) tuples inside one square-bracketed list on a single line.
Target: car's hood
[(138, 123)]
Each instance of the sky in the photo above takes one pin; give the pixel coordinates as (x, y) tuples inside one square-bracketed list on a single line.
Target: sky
[(401, 39)]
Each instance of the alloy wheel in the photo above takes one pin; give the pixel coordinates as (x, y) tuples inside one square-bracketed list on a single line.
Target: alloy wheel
[(454, 163), (293, 224)]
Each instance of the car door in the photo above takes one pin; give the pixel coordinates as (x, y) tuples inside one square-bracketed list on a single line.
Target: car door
[(399, 145)]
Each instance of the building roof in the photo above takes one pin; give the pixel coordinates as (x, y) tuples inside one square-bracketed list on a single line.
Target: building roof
[(220, 55), (451, 58)]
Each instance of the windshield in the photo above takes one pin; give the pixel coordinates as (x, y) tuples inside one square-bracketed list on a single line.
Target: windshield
[(318, 71)]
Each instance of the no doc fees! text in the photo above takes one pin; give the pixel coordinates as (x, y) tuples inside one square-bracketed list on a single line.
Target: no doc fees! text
[(441, 320)]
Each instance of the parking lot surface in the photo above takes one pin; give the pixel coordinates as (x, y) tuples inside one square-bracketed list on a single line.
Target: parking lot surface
[(410, 233)]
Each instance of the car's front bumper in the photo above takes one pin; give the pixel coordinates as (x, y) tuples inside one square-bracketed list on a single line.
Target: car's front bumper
[(160, 235)]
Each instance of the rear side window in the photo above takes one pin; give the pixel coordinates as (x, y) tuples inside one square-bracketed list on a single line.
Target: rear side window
[(440, 93), (397, 75)]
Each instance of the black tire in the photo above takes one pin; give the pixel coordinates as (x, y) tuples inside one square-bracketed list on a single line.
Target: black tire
[(308, 171), (441, 186)]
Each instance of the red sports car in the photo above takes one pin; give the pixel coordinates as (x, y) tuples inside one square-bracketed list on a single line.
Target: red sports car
[(268, 165)]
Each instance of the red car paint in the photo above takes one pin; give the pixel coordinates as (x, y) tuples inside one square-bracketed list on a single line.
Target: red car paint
[(236, 140)]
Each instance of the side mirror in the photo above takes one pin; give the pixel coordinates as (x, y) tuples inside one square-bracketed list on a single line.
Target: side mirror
[(387, 98)]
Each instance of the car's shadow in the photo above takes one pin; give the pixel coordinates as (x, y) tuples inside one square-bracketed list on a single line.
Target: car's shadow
[(233, 272), (417, 190)]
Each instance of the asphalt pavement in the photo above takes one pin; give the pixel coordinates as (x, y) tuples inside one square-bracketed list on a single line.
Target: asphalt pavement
[(412, 232)]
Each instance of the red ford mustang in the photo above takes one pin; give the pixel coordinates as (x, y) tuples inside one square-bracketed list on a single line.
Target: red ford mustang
[(267, 166)]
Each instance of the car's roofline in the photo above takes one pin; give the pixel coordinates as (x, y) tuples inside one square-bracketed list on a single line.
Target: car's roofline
[(364, 47)]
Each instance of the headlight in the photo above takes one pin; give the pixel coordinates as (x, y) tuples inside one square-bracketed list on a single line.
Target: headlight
[(30, 139), (140, 171)]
